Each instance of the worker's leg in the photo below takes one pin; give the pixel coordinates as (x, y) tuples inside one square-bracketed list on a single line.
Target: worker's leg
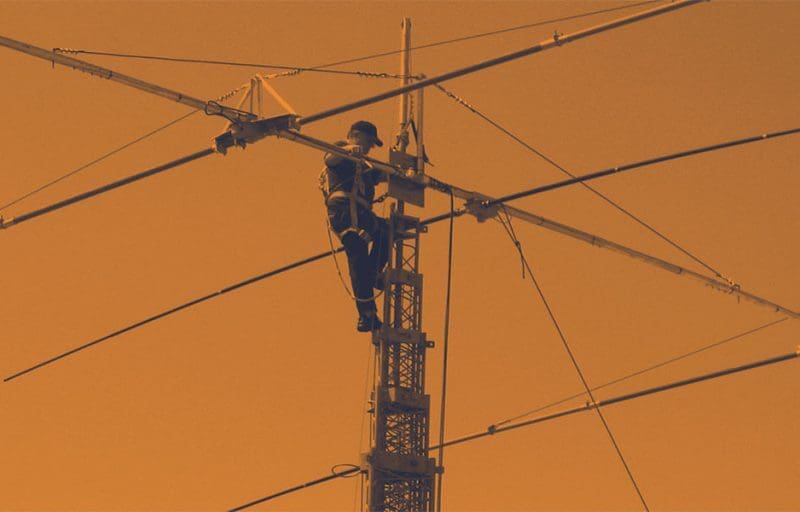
[(356, 248), (360, 272), (378, 230)]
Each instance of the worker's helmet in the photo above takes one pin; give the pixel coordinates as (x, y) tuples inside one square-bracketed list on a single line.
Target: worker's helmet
[(369, 129)]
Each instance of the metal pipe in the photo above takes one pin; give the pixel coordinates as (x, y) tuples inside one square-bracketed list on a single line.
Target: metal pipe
[(4, 223), (627, 167), (556, 40), (486, 202), (405, 70), (420, 132), (86, 67), (597, 241)]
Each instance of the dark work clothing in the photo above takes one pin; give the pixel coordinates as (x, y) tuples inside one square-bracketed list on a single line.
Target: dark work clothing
[(341, 175), (364, 263)]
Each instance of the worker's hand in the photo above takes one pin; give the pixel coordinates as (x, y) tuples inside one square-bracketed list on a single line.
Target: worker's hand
[(354, 149)]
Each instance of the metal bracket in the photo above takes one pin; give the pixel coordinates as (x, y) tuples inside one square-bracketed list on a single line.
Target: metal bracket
[(402, 159), (408, 188), (240, 134), (475, 205)]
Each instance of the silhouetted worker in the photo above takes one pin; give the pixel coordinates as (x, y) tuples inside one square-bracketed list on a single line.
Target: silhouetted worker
[(349, 197)]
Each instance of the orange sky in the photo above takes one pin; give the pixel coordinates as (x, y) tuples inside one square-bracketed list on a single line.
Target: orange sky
[(264, 388)]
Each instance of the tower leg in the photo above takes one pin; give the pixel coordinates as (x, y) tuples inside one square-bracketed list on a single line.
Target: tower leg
[(399, 472)]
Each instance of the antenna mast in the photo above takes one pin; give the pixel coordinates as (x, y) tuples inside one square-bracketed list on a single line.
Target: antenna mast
[(399, 472)]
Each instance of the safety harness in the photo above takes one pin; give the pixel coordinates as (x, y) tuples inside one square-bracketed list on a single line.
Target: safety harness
[(354, 196)]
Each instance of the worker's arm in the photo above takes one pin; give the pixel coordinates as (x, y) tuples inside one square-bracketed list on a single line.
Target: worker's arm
[(332, 159), (377, 176)]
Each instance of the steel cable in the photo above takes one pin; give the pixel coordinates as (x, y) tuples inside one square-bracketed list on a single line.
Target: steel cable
[(5, 223), (425, 222), (604, 197), (323, 67), (114, 151), (636, 165), (575, 364), (171, 311), (440, 462), (542, 419), (639, 372)]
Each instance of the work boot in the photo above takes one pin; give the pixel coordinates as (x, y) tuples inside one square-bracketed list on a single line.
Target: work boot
[(368, 322)]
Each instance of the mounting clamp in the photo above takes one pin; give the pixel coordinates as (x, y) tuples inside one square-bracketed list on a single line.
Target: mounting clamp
[(475, 205), (242, 133)]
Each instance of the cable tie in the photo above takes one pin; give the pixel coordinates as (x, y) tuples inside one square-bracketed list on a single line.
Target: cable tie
[(557, 38), (492, 429), (66, 50)]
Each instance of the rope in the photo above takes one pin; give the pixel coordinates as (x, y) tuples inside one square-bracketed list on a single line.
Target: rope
[(607, 199), (577, 368), (444, 355)]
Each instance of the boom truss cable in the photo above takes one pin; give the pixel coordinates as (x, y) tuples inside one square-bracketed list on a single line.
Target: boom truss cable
[(542, 419), (555, 41), (575, 364), (486, 34), (604, 197), (322, 68), (295, 69)]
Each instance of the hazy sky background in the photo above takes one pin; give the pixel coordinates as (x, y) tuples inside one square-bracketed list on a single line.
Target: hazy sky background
[(264, 388)]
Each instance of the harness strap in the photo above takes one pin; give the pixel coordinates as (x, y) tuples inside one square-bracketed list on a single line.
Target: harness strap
[(354, 197), (357, 231), (341, 194)]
